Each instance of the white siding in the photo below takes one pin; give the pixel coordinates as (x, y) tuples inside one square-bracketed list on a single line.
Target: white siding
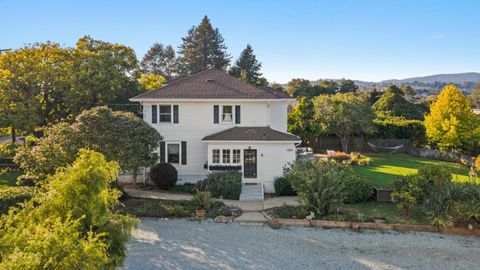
[(196, 122), (271, 158)]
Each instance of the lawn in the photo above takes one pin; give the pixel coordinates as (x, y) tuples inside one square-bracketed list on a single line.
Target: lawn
[(384, 168), (8, 179)]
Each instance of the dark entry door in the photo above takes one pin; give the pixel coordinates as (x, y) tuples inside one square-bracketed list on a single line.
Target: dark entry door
[(250, 163)]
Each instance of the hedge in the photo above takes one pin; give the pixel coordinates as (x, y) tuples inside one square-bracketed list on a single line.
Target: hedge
[(11, 196), (400, 128)]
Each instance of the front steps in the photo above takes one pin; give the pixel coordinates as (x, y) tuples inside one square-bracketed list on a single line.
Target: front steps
[(252, 192)]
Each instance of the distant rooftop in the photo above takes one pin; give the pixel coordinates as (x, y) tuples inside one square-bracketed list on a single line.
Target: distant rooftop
[(212, 83)]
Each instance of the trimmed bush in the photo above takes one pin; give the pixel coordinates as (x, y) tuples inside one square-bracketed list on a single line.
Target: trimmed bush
[(283, 187), (11, 196), (227, 185), (164, 175), (357, 190), (400, 128), (202, 200)]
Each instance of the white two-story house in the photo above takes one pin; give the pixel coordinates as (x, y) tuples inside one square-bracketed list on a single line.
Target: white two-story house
[(211, 121)]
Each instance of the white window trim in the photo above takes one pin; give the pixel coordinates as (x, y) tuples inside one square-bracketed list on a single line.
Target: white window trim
[(219, 157), (231, 157), (179, 152), (171, 114), (233, 114)]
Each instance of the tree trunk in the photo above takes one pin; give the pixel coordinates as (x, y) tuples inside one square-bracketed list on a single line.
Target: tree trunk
[(12, 131), (344, 142), (135, 173)]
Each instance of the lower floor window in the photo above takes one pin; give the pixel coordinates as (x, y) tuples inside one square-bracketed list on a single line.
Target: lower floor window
[(236, 156), (226, 156), (215, 156), (173, 153)]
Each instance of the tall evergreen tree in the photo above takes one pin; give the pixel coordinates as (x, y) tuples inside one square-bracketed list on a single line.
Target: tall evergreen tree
[(159, 60), (247, 67), (202, 48)]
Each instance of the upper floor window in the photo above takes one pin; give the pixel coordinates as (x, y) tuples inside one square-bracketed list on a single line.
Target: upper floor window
[(227, 114), (165, 113)]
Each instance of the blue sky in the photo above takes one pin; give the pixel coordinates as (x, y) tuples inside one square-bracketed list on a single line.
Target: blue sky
[(357, 39)]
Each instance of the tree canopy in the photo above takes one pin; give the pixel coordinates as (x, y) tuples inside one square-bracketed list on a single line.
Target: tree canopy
[(152, 81), (305, 88), (343, 115), (160, 60), (120, 136), (202, 48), (475, 96), (301, 121), (44, 83), (392, 103), (451, 124), (247, 67)]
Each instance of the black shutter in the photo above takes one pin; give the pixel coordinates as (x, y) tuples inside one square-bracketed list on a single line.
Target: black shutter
[(175, 114), (216, 116), (154, 114), (184, 153), (237, 114), (162, 152)]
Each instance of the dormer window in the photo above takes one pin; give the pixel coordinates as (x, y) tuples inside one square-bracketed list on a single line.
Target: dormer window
[(227, 114)]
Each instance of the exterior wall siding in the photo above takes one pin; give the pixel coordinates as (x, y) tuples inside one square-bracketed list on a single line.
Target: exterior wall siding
[(196, 122)]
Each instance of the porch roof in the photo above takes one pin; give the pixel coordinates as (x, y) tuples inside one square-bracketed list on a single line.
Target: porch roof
[(252, 134)]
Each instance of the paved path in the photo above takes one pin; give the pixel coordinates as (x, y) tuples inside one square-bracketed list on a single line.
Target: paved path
[(182, 244)]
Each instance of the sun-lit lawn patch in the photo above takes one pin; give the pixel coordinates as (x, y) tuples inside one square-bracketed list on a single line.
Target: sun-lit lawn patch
[(384, 168)]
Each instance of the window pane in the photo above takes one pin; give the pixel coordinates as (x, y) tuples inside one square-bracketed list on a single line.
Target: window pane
[(165, 113), (227, 114), (226, 156), (215, 156), (173, 153), (154, 114), (236, 156)]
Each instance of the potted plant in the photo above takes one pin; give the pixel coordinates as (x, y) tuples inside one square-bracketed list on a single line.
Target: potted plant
[(201, 201)]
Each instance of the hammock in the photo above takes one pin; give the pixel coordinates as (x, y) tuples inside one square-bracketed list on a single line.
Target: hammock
[(390, 149)]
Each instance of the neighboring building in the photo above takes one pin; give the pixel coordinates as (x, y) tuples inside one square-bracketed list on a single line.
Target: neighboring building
[(211, 121)]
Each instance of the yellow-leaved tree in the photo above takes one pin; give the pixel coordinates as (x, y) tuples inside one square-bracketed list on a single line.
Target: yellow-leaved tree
[(451, 124), (152, 81)]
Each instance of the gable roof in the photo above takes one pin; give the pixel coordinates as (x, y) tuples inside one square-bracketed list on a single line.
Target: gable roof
[(251, 134), (212, 83)]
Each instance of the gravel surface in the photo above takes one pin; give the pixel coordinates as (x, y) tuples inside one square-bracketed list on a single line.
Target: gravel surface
[(181, 244)]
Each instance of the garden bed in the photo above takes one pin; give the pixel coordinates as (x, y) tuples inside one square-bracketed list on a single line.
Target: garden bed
[(175, 209)]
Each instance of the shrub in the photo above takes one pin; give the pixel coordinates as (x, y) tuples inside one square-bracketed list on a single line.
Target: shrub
[(357, 189), (319, 184), (406, 192), (476, 165), (400, 128), (7, 150), (283, 187), (202, 200), (73, 221), (164, 175), (227, 185), (11, 196), (223, 210), (288, 211), (359, 159)]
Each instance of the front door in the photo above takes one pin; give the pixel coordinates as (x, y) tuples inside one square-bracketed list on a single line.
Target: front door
[(250, 163)]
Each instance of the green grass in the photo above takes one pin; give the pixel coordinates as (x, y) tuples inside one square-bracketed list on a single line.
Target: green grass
[(383, 169), (9, 179), (389, 211)]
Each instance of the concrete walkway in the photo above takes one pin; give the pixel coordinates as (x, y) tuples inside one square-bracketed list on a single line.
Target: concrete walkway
[(251, 211)]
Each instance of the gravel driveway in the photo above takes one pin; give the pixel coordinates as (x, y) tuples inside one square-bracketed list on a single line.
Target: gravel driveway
[(180, 244)]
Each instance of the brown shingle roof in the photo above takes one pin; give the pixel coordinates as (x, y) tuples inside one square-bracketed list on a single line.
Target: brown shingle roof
[(251, 134), (212, 84)]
